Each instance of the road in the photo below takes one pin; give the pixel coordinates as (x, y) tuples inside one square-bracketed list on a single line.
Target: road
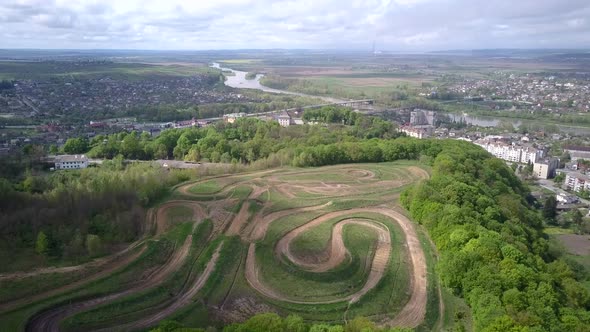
[(550, 185)]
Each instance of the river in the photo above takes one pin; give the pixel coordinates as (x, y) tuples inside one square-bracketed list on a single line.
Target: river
[(239, 80), (489, 121)]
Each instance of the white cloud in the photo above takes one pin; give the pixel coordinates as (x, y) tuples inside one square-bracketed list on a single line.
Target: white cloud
[(353, 24)]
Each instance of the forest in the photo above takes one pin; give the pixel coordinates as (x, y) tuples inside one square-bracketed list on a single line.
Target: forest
[(493, 252), (69, 217), (244, 141), (492, 249)]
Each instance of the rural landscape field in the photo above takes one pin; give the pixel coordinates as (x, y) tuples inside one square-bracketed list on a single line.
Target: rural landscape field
[(328, 244), (294, 166)]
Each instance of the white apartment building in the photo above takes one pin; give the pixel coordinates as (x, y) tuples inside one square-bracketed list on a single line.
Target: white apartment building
[(71, 162), (510, 152), (577, 182)]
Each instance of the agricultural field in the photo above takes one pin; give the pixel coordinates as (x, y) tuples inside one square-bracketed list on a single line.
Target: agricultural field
[(328, 244), (126, 71)]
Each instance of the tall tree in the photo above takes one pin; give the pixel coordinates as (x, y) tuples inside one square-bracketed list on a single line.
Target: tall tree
[(76, 145), (42, 244), (550, 208)]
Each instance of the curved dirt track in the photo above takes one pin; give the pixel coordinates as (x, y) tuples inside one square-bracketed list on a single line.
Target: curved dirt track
[(102, 273), (336, 251), (411, 315), (49, 320), (258, 228), (161, 220), (180, 301), (185, 188), (239, 220), (413, 312)]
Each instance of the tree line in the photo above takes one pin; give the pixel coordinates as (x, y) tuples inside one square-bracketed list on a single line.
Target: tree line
[(271, 322), (492, 249), (245, 141)]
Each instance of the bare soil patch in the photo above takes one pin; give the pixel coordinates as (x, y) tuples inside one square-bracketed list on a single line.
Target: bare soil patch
[(239, 221), (576, 244)]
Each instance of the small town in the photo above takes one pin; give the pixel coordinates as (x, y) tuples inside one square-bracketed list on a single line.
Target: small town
[(526, 92)]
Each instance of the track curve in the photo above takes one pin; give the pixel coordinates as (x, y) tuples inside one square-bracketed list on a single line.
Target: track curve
[(49, 320), (412, 313)]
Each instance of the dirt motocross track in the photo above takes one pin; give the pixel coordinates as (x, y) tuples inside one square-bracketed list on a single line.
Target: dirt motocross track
[(252, 226)]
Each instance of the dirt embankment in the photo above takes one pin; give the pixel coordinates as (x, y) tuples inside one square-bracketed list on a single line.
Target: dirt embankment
[(185, 188), (239, 220), (101, 274)]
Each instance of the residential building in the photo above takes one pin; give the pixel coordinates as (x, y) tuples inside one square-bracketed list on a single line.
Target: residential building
[(565, 198), (418, 131), (545, 169), (530, 154), (510, 152), (419, 117), (185, 124), (577, 181), (231, 118), (71, 162), (577, 152), (284, 119)]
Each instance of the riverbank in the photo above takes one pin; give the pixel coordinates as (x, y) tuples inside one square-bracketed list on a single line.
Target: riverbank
[(239, 81), (497, 120)]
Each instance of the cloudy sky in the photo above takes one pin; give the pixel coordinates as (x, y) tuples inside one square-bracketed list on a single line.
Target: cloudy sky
[(397, 25)]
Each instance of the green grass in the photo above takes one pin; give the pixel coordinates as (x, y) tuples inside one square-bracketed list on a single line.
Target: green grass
[(313, 241), (206, 187), (176, 214), (156, 254), (138, 305), (557, 230), (241, 192)]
